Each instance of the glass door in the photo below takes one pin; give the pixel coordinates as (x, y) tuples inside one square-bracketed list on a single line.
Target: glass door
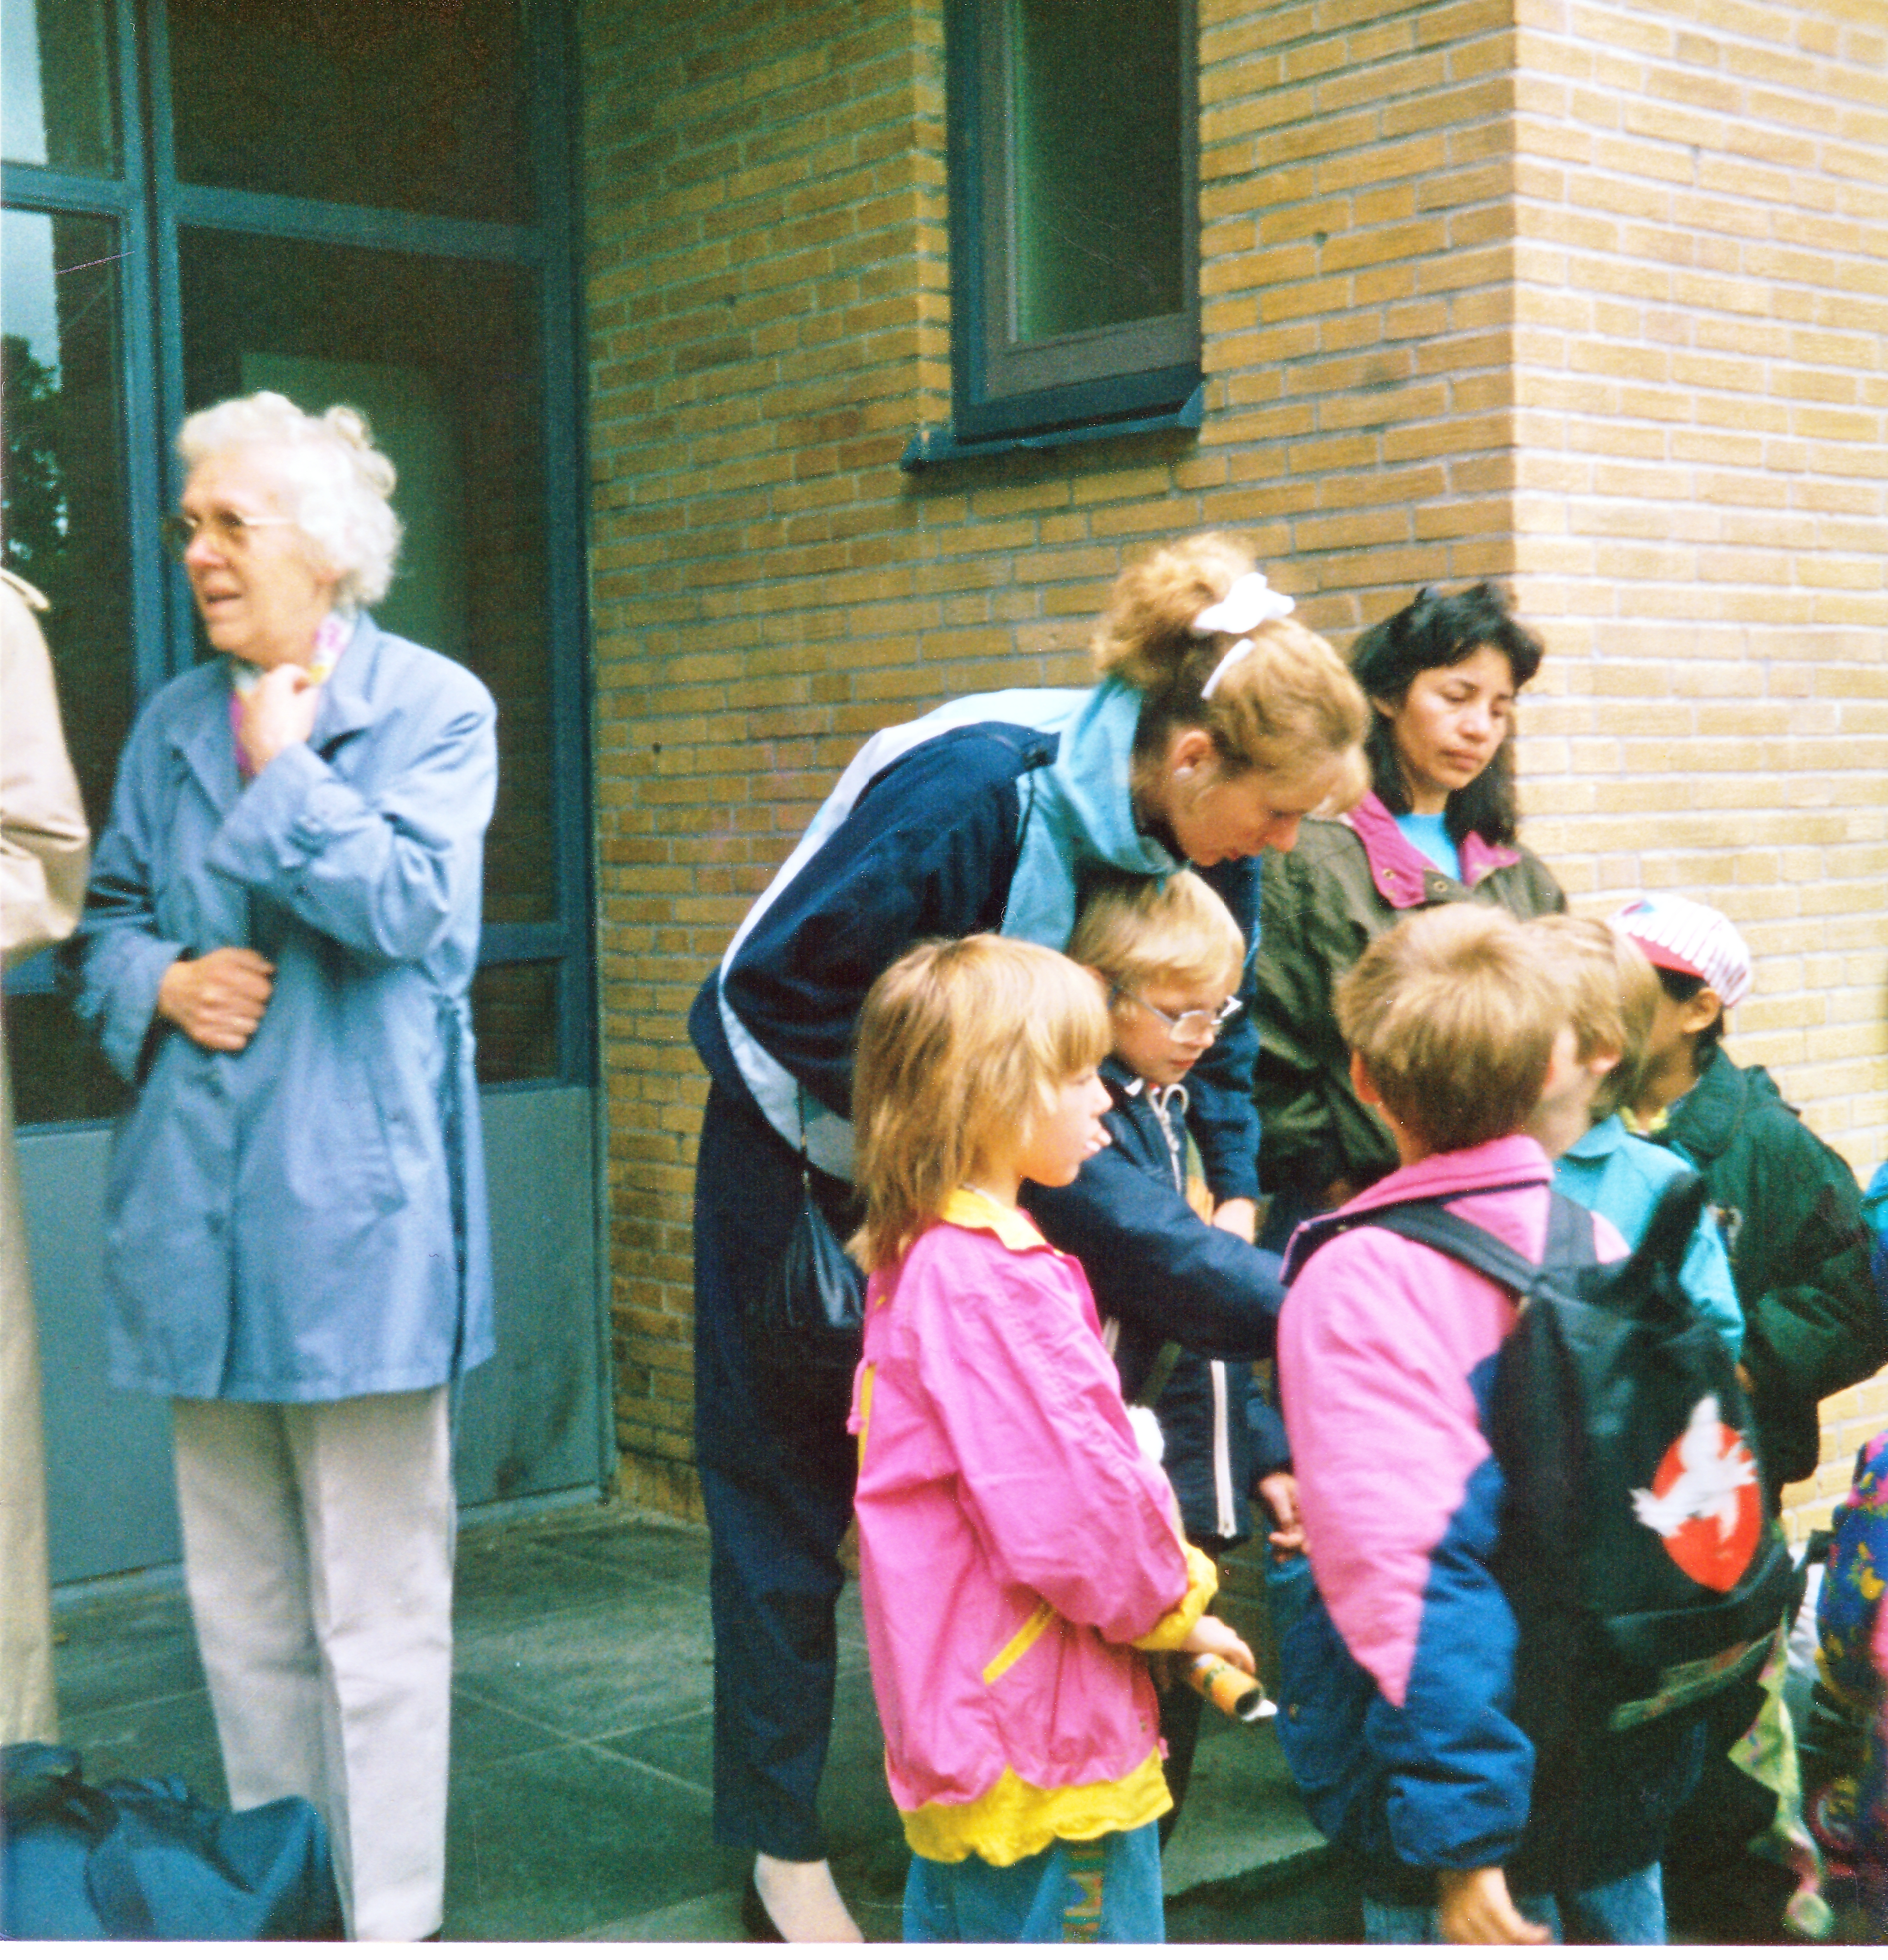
[(363, 202)]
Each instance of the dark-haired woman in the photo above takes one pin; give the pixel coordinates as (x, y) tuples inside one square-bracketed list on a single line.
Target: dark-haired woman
[(1439, 827)]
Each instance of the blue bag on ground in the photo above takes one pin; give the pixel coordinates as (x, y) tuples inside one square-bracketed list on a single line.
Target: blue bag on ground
[(144, 1859)]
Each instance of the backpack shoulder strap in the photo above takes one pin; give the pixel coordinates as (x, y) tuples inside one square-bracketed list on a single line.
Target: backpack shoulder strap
[(1570, 1239), (1428, 1222)]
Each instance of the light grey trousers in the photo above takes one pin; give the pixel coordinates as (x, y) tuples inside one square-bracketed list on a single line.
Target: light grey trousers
[(318, 1549)]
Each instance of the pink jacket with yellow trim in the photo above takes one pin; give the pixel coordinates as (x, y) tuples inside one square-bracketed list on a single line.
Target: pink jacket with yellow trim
[(1012, 1540)]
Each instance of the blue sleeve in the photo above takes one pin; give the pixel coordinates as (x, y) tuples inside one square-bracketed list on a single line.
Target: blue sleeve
[(1153, 1261), (1705, 1276), (385, 873), (1458, 1769), (927, 851), (115, 962), (1221, 1115)]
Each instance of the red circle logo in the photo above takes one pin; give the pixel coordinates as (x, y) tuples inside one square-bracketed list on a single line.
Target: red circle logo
[(1704, 1503)]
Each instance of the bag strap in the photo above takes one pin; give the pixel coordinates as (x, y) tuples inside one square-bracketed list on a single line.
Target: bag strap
[(806, 1169), (117, 1892), (1429, 1221), (1317, 1232)]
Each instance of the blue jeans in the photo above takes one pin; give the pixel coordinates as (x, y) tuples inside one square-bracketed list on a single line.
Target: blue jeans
[(1107, 1890), (1623, 1912)]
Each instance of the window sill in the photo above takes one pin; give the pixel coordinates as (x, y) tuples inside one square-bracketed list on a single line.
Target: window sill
[(930, 447)]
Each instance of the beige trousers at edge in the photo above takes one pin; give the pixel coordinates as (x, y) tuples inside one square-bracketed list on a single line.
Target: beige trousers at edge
[(29, 1712), (318, 1548)]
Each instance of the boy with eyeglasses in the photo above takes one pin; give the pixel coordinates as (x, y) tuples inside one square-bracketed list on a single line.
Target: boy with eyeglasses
[(1186, 1306)]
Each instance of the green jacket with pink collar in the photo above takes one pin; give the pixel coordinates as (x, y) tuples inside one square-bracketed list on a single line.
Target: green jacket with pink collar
[(1347, 880)]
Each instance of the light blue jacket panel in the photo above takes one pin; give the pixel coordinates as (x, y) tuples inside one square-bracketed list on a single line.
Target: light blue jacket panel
[(305, 1220), (1619, 1176)]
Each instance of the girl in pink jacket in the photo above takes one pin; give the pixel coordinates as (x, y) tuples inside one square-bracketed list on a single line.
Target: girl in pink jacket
[(1016, 1547)]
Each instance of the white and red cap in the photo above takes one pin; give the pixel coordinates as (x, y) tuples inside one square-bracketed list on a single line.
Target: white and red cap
[(1684, 937)]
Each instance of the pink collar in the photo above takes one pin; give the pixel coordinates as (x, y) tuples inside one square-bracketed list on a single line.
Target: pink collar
[(1400, 872)]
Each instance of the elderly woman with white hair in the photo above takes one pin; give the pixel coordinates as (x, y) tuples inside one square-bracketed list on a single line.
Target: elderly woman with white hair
[(277, 949)]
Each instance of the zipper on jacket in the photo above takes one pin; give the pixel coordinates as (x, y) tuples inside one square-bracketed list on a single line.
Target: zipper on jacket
[(866, 1380), (1020, 1642), (1222, 1451)]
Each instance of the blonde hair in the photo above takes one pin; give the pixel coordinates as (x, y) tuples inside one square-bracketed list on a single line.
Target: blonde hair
[(337, 484), (1456, 1019), (962, 1044), (1614, 993), (1289, 706), (1141, 932)]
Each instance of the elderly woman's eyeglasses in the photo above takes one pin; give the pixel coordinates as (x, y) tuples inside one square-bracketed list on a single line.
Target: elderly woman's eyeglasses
[(1196, 1024), (229, 529)]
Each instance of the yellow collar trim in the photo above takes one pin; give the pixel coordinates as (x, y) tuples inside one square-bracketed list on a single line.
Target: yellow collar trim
[(978, 1213)]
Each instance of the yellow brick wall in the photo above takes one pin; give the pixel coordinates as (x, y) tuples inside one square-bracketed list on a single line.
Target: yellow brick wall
[(1701, 389), (1448, 322)]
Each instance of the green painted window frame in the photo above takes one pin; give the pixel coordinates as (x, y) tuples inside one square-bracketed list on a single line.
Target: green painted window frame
[(1146, 372)]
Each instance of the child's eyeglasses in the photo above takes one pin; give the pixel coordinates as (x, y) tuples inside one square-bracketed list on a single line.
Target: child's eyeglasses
[(230, 529), (1196, 1024)]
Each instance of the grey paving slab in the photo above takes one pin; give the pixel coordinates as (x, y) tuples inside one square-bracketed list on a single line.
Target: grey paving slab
[(620, 1665), (173, 1736), (660, 1549), (856, 1806), (482, 1735), (497, 1582), (550, 1845), (130, 1646), (1242, 1809)]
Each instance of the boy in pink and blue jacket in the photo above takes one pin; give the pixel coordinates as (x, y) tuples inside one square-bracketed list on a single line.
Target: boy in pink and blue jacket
[(1398, 1679)]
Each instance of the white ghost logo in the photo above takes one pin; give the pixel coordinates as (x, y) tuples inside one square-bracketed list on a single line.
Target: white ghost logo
[(1714, 1466)]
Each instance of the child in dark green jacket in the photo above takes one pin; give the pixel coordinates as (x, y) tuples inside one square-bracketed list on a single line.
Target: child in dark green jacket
[(1790, 1208)]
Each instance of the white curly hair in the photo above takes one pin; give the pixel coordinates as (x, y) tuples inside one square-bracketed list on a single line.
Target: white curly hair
[(335, 483)]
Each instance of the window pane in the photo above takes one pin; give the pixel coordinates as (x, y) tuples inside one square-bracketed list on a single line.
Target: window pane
[(515, 1017), (61, 499), (1098, 229), (440, 355), (58, 1075), (417, 105), (57, 106), (62, 521)]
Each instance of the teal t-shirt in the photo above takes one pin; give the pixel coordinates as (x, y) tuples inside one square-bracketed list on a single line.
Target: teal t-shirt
[(1430, 834), (1620, 1175)]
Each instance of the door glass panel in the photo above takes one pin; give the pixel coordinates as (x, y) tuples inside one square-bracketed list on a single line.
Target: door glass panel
[(514, 1016), (416, 105), (63, 529), (57, 104), (440, 355)]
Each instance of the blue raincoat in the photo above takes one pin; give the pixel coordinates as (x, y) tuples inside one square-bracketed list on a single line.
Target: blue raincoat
[(305, 1220)]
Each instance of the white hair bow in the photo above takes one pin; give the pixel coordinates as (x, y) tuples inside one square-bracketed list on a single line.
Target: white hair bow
[(1251, 602)]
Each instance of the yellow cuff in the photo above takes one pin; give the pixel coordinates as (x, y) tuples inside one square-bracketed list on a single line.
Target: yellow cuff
[(1202, 1581)]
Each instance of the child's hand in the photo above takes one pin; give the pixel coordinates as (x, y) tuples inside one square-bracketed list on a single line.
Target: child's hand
[(1240, 1216), (1280, 1491), (1474, 1910), (1214, 1636)]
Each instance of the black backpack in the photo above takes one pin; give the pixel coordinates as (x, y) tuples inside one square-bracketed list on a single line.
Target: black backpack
[(1647, 1575)]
